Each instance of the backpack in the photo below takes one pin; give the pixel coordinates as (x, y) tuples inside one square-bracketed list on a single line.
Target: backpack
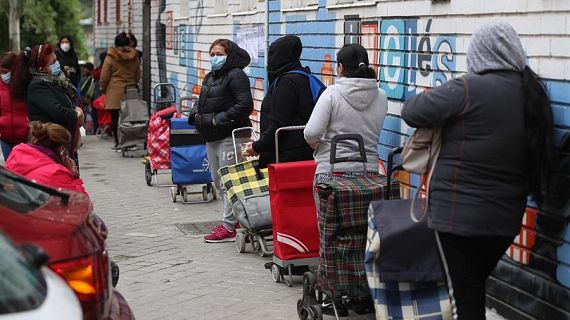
[(317, 87)]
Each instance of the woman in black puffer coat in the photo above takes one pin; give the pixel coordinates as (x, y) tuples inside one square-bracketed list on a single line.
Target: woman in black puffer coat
[(225, 104)]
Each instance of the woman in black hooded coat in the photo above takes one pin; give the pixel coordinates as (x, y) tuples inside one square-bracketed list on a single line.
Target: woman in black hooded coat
[(225, 104), (288, 102)]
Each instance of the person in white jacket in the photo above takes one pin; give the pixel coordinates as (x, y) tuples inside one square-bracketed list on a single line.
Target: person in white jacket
[(354, 104)]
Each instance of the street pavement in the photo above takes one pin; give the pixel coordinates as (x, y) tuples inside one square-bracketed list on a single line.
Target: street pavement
[(166, 270)]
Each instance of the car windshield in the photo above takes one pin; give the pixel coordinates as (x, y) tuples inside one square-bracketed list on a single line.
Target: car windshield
[(18, 196), (22, 287)]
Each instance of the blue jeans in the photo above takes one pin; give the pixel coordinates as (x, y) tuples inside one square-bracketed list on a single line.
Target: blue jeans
[(6, 149)]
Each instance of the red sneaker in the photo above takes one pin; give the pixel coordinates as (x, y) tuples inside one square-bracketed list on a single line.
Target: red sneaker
[(220, 235)]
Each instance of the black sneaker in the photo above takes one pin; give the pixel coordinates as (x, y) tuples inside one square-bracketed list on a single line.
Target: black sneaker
[(116, 148), (341, 307)]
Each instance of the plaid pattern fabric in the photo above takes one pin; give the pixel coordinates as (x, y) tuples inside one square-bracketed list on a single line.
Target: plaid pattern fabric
[(402, 300), (343, 206), (241, 180), (158, 143)]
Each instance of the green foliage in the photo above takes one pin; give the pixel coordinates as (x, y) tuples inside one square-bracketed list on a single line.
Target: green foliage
[(45, 21)]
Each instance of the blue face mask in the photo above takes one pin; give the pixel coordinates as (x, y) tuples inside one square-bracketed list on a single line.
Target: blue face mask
[(55, 69), (217, 62), (6, 78)]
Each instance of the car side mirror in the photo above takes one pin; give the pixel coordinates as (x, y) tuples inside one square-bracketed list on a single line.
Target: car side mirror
[(34, 255)]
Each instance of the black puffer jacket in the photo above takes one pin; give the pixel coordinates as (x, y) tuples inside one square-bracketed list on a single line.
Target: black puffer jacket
[(289, 102), (225, 100)]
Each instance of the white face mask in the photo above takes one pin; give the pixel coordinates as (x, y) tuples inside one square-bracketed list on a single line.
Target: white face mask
[(65, 47)]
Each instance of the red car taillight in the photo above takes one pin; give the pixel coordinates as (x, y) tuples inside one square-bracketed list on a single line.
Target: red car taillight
[(87, 276)]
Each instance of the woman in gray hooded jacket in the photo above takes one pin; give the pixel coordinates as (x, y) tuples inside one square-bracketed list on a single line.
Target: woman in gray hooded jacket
[(354, 104), (496, 144)]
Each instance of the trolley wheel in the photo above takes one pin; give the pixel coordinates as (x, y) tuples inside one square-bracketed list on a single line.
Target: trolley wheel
[(148, 173), (205, 193), (212, 191), (276, 273), (240, 242), (173, 193), (254, 244), (260, 239), (184, 193), (123, 152), (317, 313), (301, 311)]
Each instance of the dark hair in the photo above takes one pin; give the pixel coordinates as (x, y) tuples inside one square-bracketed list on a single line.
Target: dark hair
[(539, 126), (89, 66), (102, 57), (354, 60), (72, 48), (132, 39), (28, 60), (49, 135), (225, 43), (122, 40), (8, 59)]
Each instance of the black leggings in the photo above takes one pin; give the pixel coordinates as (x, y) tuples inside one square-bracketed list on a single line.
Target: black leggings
[(468, 262), (115, 124)]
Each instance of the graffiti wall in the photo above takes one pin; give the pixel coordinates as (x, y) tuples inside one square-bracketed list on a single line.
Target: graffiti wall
[(413, 45)]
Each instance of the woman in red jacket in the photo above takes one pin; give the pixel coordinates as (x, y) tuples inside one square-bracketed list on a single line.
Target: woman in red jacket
[(13, 114), (45, 159)]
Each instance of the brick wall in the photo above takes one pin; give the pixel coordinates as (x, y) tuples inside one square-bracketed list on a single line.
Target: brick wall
[(414, 44)]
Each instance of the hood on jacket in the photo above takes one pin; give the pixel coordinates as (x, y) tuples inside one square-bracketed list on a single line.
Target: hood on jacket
[(122, 55), (495, 46), (24, 159), (357, 92), (284, 55), (237, 58)]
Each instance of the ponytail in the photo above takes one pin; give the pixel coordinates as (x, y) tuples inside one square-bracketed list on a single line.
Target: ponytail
[(354, 60), (21, 77), (539, 126)]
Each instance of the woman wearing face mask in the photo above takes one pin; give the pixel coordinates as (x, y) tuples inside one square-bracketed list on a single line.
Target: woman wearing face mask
[(68, 60), (49, 96), (45, 159), (121, 68), (13, 114), (225, 104)]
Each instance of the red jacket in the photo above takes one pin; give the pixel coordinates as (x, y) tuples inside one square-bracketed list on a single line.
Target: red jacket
[(31, 163), (13, 118)]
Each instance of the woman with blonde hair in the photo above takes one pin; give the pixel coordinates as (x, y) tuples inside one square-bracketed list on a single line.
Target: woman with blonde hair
[(45, 159)]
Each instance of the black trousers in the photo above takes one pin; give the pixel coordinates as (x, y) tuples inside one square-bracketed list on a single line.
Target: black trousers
[(115, 124), (468, 262)]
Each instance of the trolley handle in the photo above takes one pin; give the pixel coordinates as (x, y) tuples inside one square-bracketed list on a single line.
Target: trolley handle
[(132, 85), (391, 168), (192, 98), (288, 128), (167, 86), (345, 137), (234, 131)]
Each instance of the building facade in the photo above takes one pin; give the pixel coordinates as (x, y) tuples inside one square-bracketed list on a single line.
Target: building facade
[(414, 45)]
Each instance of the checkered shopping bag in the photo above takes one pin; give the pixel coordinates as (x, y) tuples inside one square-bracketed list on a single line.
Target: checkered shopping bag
[(247, 189), (403, 269), (158, 143), (342, 221)]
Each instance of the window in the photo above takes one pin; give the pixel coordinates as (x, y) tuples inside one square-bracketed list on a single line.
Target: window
[(22, 287), (20, 197), (118, 11)]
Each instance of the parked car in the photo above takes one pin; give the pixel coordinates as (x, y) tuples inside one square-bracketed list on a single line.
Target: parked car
[(29, 290), (64, 225)]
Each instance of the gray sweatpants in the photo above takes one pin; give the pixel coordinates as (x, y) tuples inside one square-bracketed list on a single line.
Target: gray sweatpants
[(220, 154)]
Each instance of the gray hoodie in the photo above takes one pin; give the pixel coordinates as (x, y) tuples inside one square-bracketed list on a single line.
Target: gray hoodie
[(352, 105)]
